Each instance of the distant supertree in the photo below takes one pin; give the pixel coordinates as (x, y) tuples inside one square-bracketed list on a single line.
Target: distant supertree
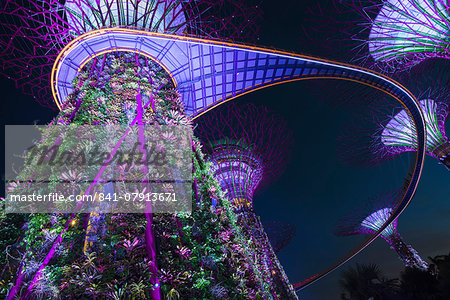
[(110, 88), (407, 32), (33, 32), (369, 219), (248, 147), (389, 131), (388, 34), (280, 234)]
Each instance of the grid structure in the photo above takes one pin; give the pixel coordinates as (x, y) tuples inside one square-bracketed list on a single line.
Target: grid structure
[(238, 171), (208, 72)]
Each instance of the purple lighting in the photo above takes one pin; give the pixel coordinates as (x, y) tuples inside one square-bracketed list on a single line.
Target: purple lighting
[(375, 220), (409, 31), (369, 220), (386, 130), (248, 147), (161, 16), (391, 34), (238, 170), (34, 32), (399, 131)]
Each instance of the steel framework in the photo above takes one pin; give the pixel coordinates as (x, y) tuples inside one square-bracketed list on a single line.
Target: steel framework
[(208, 73)]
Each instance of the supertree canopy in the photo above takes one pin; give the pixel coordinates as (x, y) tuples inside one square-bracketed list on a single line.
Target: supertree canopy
[(248, 146), (409, 31), (34, 31), (398, 132), (368, 220), (388, 131), (238, 170), (105, 66), (387, 34)]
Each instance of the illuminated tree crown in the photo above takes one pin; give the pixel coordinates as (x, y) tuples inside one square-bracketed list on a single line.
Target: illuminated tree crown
[(386, 130), (409, 31), (371, 218), (249, 147), (35, 31)]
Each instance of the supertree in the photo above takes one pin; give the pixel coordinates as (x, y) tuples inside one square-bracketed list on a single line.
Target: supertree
[(369, 219), (109, 89), (248, 147), (407, 32), (385, 131), (389, 34), (33, 32), (96, 80), (245, 157), (280, 234)]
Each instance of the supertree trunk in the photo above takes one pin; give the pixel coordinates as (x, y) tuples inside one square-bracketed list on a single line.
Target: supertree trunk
[(264, 258), (248, 154), (405, 252), (277, 274), (199, 256), (107, 94)]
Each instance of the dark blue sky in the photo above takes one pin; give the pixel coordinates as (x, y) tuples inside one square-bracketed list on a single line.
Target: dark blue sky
[(316, 189)]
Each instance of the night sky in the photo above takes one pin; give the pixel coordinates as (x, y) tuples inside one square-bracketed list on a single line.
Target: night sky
[(316, 189)]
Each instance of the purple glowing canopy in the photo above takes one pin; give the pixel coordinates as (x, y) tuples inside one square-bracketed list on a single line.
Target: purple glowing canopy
[(370, 218), (249, 147), (206, 72), (384, 131), (409, 31), (35, 31)]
